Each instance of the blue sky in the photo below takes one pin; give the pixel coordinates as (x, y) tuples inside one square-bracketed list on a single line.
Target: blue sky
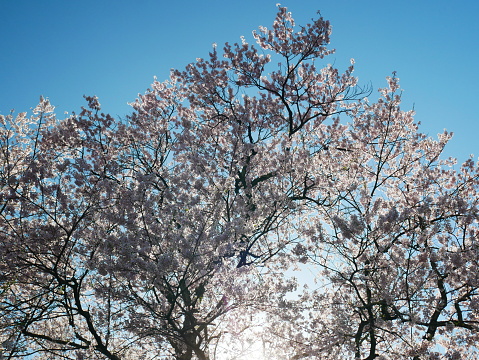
[(63, 49)]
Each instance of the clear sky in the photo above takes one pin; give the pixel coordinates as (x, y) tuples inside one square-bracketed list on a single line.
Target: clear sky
[(63, 49)]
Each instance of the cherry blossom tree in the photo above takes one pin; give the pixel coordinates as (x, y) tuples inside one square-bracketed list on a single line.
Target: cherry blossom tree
[(395, 252), (171, 234)]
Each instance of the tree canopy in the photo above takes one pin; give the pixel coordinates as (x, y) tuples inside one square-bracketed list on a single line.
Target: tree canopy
[(177, 232)]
